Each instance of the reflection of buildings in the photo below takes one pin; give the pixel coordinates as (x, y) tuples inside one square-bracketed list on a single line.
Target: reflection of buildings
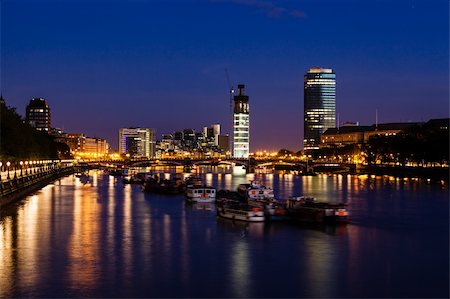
[(138, 142), (319, 105), (38, 114), (241, 125)]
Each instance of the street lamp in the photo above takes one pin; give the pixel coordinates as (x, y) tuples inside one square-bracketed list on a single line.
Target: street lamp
[(8, 164), (21, 167), (26, 167), (1, 172)]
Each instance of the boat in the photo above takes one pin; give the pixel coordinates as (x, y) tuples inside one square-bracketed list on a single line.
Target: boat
[(192, 181), (157, 185), (307, 209), (275, 211), (241, 212), (226, 197), (256, 191), (200, 193)]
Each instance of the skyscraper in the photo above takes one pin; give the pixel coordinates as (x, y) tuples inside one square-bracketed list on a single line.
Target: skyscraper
[(319, 105), (138, 142), (38, 114), (241, 125)]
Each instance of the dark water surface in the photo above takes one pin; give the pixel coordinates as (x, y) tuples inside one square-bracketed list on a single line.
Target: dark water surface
[(105, 239)]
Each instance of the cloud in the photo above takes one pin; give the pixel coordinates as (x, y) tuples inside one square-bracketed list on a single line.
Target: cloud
[(269, 8)]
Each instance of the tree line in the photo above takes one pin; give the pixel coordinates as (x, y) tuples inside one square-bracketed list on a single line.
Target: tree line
[(18, 140)]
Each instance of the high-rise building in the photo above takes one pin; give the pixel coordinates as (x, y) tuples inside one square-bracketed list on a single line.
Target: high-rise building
[(319, 105), (216, 133), (138, 142), (241, 125), (38, 114)]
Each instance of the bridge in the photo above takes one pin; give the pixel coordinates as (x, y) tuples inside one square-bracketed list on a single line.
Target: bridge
[(271, 164)]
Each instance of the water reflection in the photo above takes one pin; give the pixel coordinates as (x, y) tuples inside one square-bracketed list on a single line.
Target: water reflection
[(108, 239)]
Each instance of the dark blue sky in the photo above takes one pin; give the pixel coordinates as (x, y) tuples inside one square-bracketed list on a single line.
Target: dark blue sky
[(103, 65)]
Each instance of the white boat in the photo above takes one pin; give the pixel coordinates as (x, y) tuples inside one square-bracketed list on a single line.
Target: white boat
[(242, 213), (256, 191), (200, 194)]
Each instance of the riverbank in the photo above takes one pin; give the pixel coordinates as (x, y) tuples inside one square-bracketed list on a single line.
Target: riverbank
[(16, 189), (432, 173)]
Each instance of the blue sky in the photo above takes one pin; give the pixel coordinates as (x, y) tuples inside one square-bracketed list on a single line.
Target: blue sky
[(103, 65)]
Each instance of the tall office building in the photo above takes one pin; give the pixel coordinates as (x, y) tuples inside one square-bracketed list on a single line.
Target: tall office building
[(138, 142), (241, 125), (38, 114), (319, 105)]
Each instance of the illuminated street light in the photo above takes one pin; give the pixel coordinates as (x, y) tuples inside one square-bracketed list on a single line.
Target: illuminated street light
[(21, 167), (8, 164), (26, 167)]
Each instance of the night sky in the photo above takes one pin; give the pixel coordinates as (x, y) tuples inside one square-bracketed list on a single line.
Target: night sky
[(103, 65)]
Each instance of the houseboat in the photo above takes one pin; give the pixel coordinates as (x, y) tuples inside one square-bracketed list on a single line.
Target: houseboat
[(307, 209), (200, 194), (256, 191), (241, 213)]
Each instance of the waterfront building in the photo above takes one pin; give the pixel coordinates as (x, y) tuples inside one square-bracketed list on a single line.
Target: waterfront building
[(137, 142), (84, 147), (38, 114), (319, 105), (241, 124), (356, 134)]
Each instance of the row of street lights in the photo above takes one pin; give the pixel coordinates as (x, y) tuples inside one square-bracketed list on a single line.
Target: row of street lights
[(32, 166)]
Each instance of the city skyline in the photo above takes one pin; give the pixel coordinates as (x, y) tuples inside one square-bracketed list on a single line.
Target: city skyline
[(164, 67)]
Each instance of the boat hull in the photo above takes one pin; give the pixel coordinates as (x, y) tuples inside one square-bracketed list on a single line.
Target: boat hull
[(241, 215)]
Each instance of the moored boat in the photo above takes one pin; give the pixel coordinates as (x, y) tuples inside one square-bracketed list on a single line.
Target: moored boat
[(304, 208), (256, 191), (241, 213), (226, 197), (200, 194)]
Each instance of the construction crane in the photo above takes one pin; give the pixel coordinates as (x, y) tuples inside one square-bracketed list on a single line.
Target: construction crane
[(231, 91)]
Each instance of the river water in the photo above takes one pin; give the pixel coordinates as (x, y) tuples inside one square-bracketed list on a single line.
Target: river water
[(106, 239)]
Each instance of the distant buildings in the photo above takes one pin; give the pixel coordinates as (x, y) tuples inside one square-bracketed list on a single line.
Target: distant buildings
[(38, 114), (84, 147), (241, 124), (208, 143), (357, 135), (137, 142), (319, 105)]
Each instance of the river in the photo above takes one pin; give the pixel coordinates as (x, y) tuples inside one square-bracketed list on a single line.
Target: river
[(107, 239)]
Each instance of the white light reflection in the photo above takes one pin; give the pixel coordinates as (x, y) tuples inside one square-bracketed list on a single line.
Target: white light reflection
[(240, 269), (228, 181), (127, 249), (209, 179)]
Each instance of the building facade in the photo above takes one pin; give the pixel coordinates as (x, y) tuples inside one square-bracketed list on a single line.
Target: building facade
[(241, 124), (38, 115), (319, 105), (137, 142)]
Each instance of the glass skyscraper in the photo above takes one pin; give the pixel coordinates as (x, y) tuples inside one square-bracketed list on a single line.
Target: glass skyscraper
[(319, 105), (241, 126)]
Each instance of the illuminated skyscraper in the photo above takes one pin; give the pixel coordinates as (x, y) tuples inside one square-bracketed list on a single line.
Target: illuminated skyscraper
[(138, 142), (241, 126), (319, 105), (38, 114)]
